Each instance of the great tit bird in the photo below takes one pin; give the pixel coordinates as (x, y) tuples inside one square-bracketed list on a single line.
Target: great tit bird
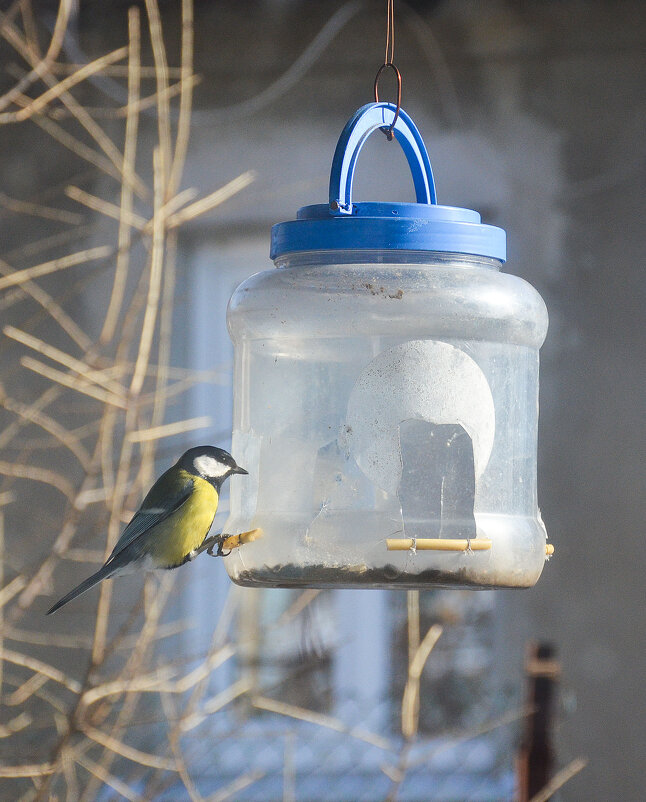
[(173, 520)]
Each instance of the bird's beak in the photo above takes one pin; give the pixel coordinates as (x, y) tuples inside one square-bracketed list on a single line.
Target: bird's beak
[(238, 469)]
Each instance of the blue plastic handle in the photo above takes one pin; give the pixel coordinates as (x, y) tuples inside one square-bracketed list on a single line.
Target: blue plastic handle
[(358, 128)]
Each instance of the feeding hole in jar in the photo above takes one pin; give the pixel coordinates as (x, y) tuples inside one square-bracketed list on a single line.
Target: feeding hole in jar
[(437, 487)]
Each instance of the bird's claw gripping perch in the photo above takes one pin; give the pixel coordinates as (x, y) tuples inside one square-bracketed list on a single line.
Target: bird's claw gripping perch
[(228, 542), (219, 539)]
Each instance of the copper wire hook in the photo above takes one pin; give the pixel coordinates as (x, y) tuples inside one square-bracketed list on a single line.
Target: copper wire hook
[(389, 130)]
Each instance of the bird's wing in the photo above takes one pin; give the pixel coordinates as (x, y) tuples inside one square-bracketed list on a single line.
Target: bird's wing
[(155, 508)]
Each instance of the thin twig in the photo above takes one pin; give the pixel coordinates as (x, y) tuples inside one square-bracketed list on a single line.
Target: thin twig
[(49, 425), (29, 25), (131, 219), (134, 664), (284, 709), (37, 474), (76, 146), (144, 103), (77, 365), (410, 699), (185, 99), (170, 429), (114, 71), (174, 741), (42, 577), (14, 725), (26, 690), (559, 779), (211, 201), (3, 560), (213, 661), (81, 115), (12, 589), (452, 738), (62, 263), (49, 639), (129, 160), (57, 89), (163, 106), (41, 668), (40, 67), (100, 773), (154, 286), (129, 752), (215, 703), (235, 786), (53, 309), (73, 382), (156, 681), (38, 210), (27, 770)]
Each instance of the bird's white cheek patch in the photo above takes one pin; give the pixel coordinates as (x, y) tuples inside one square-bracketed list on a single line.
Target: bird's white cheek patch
[(208, 466)]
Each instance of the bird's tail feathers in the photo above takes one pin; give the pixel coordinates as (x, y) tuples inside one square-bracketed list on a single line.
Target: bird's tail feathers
[(103, 573)]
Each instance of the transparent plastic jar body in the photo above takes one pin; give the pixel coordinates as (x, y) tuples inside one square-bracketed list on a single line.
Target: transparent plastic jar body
[(379, 395)]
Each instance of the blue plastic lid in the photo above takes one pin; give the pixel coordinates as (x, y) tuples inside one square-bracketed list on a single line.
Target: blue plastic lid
[(421, 226)]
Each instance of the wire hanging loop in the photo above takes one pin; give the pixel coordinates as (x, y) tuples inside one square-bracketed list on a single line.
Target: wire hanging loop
[(389, 62), (390, 129)]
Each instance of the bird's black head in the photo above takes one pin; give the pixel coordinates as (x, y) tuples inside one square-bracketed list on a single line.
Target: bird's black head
[(210, 463)]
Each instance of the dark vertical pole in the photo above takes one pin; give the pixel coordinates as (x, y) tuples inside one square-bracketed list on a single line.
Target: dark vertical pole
[(536, 753)]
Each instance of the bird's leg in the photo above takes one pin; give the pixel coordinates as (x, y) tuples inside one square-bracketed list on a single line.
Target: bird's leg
[(208, 543)]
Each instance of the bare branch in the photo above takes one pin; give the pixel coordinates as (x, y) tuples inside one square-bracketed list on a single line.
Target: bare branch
[(284, 709), (239, 784), (57, 89), (211, 201), (71, 260), (559, 780), (129, 752), (100, 773), (109, 209), (154, 286), (77, 365), (41, 668), (40, 67), (410, 699), (142, 104), (38, 210), (163, 107), (27, 770), (12, 589), (170, 429), (14, 725), (74, 383), (36, 474), (185, 100)]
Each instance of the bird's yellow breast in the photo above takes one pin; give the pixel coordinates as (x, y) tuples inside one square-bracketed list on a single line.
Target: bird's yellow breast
[(185, 530)]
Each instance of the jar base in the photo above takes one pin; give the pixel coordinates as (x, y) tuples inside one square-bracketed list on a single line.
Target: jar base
[(388, 577)]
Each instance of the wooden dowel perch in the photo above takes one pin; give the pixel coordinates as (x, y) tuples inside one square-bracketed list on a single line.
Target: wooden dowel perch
[(437, 544), (235, 541), (446, 544)]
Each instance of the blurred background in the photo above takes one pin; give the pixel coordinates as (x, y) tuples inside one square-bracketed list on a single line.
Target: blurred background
[(114, 280)]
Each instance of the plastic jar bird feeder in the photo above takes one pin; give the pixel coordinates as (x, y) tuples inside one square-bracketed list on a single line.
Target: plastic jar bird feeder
[(385, 402)]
